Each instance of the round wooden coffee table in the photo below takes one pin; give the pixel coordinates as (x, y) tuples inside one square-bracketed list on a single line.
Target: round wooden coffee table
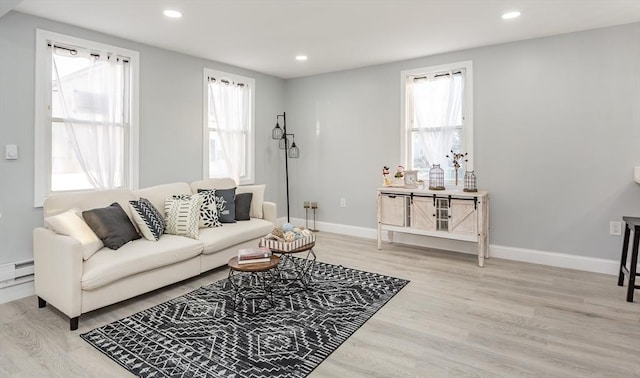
[(251, 284)]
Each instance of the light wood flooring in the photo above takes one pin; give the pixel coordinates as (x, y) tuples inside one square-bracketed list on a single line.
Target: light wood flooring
[(508, 319)]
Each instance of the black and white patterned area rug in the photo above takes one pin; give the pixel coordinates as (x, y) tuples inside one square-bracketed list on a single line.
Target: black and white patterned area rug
[(200, 335)]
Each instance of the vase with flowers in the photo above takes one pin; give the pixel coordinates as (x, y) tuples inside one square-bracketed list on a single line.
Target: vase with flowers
[(456, 159)]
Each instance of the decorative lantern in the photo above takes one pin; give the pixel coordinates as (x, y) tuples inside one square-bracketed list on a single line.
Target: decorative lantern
[(470, 182), (436, 177)]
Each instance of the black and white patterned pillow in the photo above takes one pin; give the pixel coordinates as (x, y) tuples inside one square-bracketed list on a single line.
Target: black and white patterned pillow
[(149, 220), (209, 209)]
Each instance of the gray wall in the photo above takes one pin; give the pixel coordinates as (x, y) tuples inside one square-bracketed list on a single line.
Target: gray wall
[(170, 122), (557, 134)]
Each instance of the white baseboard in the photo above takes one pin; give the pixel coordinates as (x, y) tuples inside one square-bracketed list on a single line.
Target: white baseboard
[(556, 259), (560, 260), (17, 291)]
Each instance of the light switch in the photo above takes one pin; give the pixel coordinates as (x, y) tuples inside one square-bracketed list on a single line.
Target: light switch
[(11, 152)]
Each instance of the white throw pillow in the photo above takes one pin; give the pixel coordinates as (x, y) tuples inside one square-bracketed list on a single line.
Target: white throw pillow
[(182, 214), (256, 200), (70, 223)]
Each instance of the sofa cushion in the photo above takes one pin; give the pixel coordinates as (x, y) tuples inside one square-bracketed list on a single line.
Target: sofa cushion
[(57, 203), (112, 225), (226, 202), (72, 224), (214, 183), (216, 239), (256, 200), (243, 206), (150, 221), (182, 214), (141, 255)]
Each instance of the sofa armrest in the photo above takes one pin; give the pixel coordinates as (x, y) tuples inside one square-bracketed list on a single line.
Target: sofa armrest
[(58, 270), (269, 212)]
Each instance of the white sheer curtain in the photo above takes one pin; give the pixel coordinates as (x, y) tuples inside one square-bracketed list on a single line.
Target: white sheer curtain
[(89, 120), (437, 118), (229, 117)]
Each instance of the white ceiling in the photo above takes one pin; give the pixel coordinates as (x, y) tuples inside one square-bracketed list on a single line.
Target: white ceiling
[(266, 35)]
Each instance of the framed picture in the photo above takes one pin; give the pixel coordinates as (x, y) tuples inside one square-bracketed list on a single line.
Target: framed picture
[(411, 178)]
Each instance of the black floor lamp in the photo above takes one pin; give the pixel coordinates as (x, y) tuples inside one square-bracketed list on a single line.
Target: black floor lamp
[(290, 152)]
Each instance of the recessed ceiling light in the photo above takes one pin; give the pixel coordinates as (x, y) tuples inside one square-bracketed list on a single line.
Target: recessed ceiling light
[(301, 57), (171, 13), (509, 15)]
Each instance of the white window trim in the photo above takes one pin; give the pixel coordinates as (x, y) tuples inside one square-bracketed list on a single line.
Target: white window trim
[(208, 72), (42, 179), (467, 108)]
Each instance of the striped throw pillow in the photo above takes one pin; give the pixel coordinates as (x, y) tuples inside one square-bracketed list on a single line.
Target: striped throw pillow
[(182, 214)]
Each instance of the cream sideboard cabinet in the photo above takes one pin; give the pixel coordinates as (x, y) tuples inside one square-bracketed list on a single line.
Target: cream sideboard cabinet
[(451, 214)]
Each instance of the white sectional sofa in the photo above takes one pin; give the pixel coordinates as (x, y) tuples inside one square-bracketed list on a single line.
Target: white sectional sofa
[(76, 286)]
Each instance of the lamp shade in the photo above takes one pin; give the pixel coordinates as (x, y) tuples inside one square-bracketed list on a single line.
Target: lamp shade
[(284, 143), (294, 151), (277, 132)]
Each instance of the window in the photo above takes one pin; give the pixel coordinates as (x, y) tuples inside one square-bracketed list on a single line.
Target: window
[(229, 125), (437, 117), (86, 116)]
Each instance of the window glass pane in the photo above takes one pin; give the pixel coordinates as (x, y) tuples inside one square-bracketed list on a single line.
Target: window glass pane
[(66, 170), (83, 86), (218, 164)]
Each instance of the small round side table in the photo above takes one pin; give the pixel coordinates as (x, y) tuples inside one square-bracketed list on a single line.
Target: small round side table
[(297, 269), (252, 284)]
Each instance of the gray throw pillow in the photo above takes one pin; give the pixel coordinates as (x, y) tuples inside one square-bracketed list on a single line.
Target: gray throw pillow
[(243, 206), (112, 225), (225, 199)]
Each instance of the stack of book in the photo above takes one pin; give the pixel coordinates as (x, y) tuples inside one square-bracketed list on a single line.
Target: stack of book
[(254, 255)]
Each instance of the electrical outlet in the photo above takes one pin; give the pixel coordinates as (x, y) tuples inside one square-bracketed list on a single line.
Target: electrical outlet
[(615, 228), (343, 202)]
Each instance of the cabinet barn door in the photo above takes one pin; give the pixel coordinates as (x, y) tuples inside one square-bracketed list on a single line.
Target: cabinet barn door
[(393, 210), (464, 218), (423, 213)]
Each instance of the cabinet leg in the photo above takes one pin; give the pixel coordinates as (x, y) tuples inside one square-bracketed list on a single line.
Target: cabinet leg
[(480, 259)]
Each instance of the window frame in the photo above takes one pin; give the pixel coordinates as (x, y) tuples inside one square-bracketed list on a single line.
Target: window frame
[(43, 117), (249, 178), (467, 110)]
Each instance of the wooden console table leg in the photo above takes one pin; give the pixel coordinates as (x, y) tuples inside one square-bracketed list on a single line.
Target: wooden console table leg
[(481, 247)]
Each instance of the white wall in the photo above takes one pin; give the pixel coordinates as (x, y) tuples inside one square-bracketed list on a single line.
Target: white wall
[(170, 122), (557, 134)]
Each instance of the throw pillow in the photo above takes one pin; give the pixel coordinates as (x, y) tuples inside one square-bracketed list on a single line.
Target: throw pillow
[(225, 199), (243, 206), (257, 200), (209, 209), (112, 225), (149, 220), (70, 223), (182, 214)]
